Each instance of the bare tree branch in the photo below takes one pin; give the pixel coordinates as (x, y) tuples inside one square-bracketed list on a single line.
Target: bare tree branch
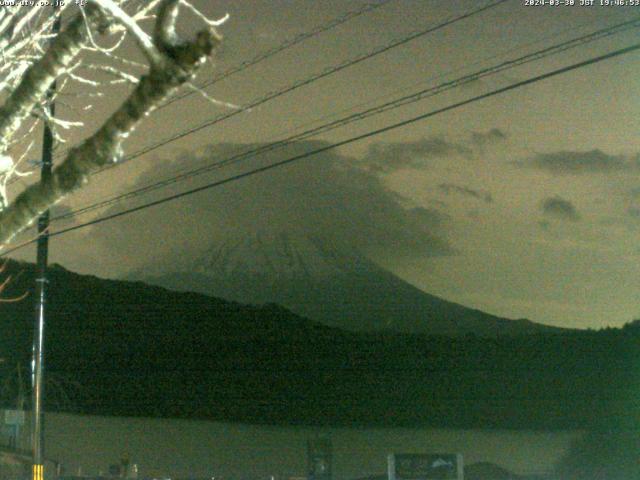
[(180, 62), (142, 39), (41, 74)]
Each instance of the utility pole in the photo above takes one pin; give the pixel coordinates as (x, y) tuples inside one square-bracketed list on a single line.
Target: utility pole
[(37, 437)]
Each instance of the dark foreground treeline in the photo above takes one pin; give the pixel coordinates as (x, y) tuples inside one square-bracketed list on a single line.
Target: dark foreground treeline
[(129, 349)]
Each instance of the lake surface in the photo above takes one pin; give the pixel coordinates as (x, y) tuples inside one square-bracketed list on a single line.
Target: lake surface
[(183, 448)]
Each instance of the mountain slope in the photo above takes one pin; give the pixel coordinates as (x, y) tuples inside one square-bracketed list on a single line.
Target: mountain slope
[(335, 286), (129, 349)]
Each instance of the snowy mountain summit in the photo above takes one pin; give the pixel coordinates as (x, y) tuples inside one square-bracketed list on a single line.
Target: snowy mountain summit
[(329, 283), (277, 256)]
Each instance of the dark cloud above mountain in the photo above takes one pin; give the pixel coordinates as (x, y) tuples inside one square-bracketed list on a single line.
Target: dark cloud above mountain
[(324, 195), (482, 139), (559, 208), (390, 157), (573, 163), (450, 188)]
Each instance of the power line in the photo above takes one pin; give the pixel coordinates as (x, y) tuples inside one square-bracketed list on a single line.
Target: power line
[(283, 46), (350, 140), (368, 7), (393, 104), (588, 38), (301, 83), (407, 88)]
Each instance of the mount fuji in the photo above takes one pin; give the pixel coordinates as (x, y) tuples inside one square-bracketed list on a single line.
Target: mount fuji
[(334, 285)]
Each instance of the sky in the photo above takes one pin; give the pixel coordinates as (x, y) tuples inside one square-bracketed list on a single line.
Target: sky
[(524, 205)]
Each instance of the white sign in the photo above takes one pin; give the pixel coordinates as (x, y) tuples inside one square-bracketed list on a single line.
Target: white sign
[(14, 417), (425, 466)]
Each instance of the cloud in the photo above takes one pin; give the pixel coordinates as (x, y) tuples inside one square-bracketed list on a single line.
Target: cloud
[(384, 158), (559, 208), (325, 195), (493, 136), (573, 163), (449, 188), (391, 157)]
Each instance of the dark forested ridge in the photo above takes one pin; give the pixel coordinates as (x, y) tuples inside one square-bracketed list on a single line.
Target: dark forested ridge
[(123, 348)]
